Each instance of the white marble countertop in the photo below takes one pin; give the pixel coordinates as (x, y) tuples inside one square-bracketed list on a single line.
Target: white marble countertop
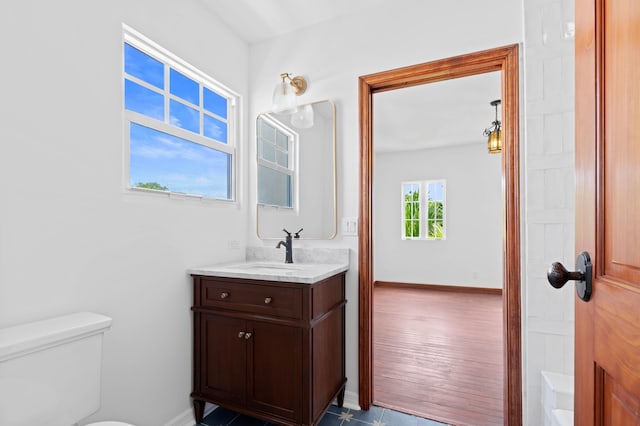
[(305, 273), (312, 265)]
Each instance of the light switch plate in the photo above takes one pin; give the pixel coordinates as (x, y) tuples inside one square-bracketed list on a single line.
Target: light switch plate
[(350, 226)]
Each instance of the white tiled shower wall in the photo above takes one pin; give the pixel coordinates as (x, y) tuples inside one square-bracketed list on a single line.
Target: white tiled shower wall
[(549, 192)]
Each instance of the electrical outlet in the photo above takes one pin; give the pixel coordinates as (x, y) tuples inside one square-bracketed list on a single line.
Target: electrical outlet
[(350, 226)]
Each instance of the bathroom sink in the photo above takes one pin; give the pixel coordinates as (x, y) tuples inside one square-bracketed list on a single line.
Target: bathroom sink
[(274, 266)]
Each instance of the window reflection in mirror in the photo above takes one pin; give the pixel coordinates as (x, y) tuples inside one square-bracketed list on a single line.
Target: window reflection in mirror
[(296, 173), (276, 145)]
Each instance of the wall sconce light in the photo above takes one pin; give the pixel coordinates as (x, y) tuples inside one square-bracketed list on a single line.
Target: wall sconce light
[(302, 117), (494, 132), (284, 95)]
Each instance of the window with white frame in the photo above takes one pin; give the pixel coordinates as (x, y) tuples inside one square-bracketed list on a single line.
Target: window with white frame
[(180, 124), (276, 165), (423, 210)]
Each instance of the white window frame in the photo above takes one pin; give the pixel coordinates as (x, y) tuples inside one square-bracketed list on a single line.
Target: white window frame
[(144, 44), (424, 208), (292, 170)]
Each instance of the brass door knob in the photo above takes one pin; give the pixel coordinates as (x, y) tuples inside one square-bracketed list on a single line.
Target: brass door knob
[(267, 300), (247, 336), (224, 295), (241, 335)]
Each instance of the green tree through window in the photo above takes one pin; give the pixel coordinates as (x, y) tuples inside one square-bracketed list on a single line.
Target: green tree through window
[(151, 185), (412, 214), (435, 213), (426, 223)]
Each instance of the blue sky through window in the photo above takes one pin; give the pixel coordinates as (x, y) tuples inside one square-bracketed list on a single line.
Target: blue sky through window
[(142, 100), (156, 154), (214, 103), (184, 116), (215, 129), (178, 164), (143, 66), (185, 88), (436, 191), (410, 188)]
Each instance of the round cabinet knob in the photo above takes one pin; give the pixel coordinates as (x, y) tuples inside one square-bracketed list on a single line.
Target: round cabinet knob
[(241, 335), (247, 336), (267, 300), (224, 295)]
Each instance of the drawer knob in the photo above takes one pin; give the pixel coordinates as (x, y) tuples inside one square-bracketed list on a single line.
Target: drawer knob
[(224, 295), (241, 335), (247, 336), (267, 300)]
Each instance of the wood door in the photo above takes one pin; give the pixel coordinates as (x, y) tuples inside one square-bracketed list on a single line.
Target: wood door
[(607, 370), (222, 364), (274, 368)]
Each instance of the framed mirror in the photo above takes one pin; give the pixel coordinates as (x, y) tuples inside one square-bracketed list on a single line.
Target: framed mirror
[(296, 172)]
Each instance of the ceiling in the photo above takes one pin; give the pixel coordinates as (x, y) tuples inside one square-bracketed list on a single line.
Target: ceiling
[(451, 112), (258, 20)]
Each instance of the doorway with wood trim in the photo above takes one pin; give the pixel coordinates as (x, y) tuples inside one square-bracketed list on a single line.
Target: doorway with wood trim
[(504, 60)]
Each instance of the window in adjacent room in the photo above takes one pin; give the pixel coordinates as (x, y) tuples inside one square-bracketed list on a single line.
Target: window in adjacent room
[(423, 210), (180, 124), (276, 168)]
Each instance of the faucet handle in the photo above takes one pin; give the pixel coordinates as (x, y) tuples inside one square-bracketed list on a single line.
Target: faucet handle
[(297, 235), (288, 233)]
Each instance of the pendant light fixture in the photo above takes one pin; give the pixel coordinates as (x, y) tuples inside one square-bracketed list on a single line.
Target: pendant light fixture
[(494, 132), (284, 94)]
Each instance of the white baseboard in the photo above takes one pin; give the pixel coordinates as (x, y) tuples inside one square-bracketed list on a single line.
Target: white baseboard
[(186, 418), (351, 400)]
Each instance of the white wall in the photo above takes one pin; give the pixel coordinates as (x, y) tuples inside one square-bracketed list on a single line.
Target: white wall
[(471, 254), (334, 54), (549, 193), (70, 238)]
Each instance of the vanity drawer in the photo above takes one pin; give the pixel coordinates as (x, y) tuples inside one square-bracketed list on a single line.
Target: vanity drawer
[(254, 298)]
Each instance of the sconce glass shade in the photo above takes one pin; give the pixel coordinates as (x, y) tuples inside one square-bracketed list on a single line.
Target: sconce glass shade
[(284, 97), (302, 117), (494, 144)]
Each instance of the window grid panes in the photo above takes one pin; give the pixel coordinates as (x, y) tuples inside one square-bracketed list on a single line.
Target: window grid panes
[(423, 210), (411, 210), (275, 165), (188, 100), (435, 210), (179, 124)]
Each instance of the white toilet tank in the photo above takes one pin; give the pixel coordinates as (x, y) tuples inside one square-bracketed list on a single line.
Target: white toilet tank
[(50, 370)]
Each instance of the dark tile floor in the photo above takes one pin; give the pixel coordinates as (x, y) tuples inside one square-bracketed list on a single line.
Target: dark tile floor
[(335, 416)]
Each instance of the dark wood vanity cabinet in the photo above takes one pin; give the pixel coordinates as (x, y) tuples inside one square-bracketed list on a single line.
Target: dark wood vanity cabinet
[(269, 349)]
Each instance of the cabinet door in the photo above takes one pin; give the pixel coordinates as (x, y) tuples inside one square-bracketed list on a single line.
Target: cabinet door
[(223, 369), (274, 357)]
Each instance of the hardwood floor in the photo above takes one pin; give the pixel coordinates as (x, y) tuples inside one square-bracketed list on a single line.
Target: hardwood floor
[(438, 354)]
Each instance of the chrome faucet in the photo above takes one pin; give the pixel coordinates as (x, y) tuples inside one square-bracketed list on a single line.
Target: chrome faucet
[(288, 245)]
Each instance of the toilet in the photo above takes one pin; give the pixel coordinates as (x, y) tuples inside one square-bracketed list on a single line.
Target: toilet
[(50, 371)]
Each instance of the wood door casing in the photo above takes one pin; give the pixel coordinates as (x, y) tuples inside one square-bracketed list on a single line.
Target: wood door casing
[(607, 350), (504, 59)]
